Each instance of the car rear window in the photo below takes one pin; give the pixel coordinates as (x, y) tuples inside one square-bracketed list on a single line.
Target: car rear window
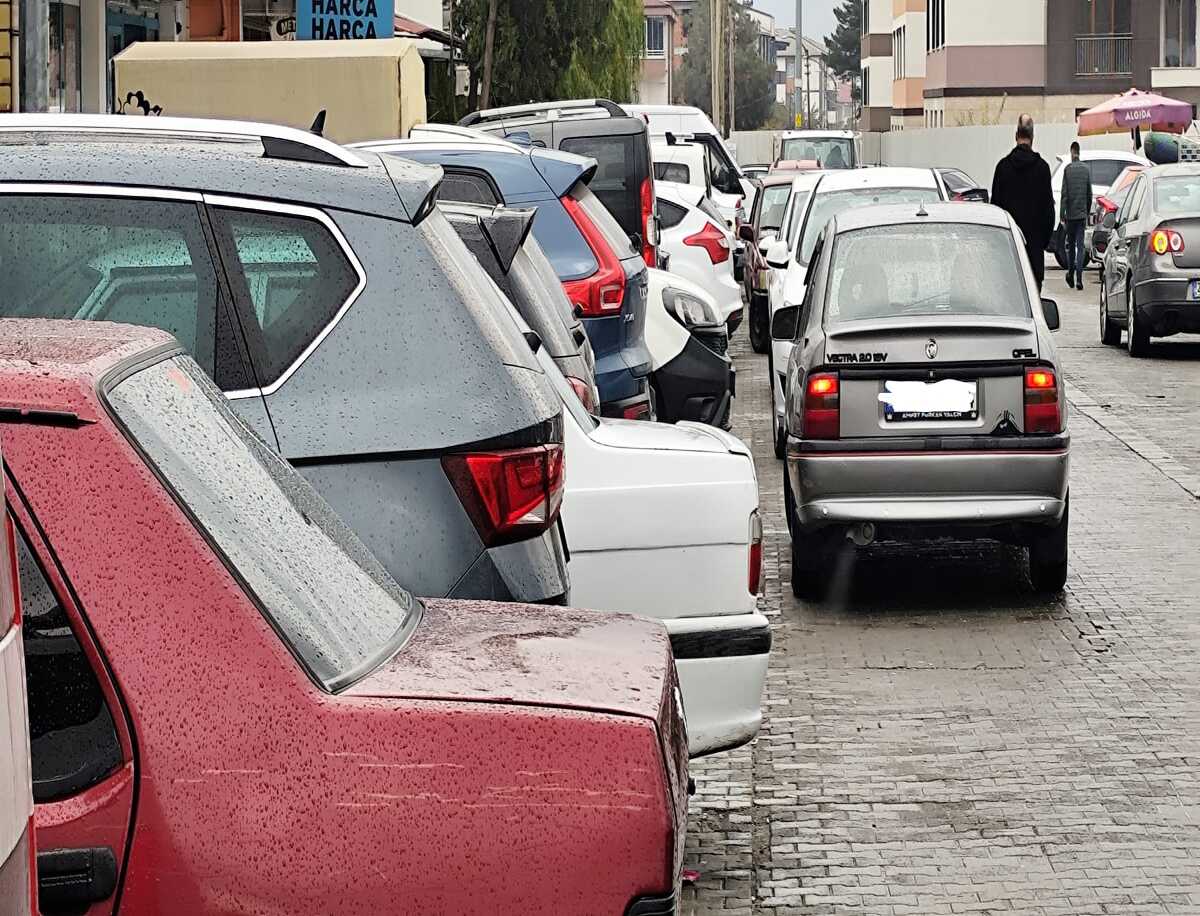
[(562, 242), (326, 595), (925, 269), (774, 203), (1177, 195), (672, 171), (828, 205), (619, 174), (1105, 171), (616, 237)]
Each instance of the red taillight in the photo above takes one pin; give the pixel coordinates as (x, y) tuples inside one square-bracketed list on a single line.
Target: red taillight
[(1106, 204), (1043, 410), (583, 391), (754, 577), (1164, 240), (712, 240), (638, 411), (649, 233), (511, 494), (603, 293), (822, 407)]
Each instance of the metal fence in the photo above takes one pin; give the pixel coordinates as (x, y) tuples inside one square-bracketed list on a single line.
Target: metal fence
[(1103, 55)]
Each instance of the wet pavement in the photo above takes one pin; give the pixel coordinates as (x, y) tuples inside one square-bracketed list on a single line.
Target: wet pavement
[(938, 738)]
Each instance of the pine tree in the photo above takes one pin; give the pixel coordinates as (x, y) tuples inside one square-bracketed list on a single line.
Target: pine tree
[(846, 41), (754, 86)]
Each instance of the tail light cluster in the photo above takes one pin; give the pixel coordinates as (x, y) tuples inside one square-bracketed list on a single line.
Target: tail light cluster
[(1164, 240), (649, 224), (603, 292), (1043, 403), (584, 392), (754, 577), (510, 494), (822, 406), (712, 240)]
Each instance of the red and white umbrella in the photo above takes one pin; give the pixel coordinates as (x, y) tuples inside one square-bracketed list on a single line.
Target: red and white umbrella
[(1136, 109)]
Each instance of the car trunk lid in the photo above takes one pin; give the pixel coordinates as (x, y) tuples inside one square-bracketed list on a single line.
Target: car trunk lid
[(1189, 229)]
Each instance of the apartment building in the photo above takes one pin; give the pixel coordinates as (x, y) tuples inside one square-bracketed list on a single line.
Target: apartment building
[(656, 83), (878, 75), (909, 48)]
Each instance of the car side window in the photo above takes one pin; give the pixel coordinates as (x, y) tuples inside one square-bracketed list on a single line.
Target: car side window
[(672, 171), (468, 187), (670, 215), (133, 260), (291, 276), (72, 735)]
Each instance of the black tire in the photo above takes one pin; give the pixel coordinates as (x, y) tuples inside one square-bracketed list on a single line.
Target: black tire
[(1048, 555), (1137, 334), (812, 559), (760, 324), (1110, 331)]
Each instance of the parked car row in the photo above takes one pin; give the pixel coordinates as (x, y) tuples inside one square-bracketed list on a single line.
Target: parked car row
[(292, 387)]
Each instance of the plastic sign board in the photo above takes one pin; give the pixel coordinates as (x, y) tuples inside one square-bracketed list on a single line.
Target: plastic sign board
[(799, 119), (326, 20)]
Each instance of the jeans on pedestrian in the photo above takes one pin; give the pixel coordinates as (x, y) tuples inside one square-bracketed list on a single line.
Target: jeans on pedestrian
[(1074, 244)]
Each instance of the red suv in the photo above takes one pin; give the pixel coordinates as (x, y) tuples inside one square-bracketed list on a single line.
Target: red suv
[(234, 709)]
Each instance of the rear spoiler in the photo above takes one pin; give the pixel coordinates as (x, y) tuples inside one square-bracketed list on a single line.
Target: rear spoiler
[(506, 229), (562, 171)]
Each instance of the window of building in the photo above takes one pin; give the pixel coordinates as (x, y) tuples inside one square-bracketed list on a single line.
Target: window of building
[(656, 36), (1106, 17), (63, 62), (898, 53), (866, 87), (1179, 33), (935, 25)]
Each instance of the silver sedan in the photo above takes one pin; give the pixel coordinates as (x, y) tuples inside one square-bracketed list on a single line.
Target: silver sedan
[(924, 397)]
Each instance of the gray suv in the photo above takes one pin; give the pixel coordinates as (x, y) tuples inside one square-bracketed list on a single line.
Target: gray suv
[(333, 304)]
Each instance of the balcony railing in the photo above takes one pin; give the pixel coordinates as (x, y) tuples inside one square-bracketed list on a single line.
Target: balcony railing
[(1103, 55)]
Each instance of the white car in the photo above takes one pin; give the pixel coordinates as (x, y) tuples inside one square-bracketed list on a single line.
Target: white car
[(833, 193), (833, 149), (682, 163), (663, 521), (1104, 165), (700, 246)]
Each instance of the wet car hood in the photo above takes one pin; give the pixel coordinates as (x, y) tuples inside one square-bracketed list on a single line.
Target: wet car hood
[(485, 651)]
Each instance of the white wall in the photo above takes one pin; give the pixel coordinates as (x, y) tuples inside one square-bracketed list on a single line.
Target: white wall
[(881, 81), (914, 44), (995, 22), (880, 17)]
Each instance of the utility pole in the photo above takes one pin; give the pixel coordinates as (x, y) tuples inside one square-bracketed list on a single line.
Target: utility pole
[(799, 112), (35, 54), (716, 61), (731, 38), (489, 44)]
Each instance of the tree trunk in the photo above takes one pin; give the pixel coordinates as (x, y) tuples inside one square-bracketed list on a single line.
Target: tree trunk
[(489, 41)]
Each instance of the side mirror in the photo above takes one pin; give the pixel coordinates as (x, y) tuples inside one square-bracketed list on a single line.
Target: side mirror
[(1050, 313), (980, 195), (765, 238), (746, 232), (778, 254), (785, 322)]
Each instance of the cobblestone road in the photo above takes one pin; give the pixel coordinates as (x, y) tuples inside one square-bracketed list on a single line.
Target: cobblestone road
[(938, 739)]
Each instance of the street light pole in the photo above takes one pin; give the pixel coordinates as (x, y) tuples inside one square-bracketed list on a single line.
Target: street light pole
[(801, 113)]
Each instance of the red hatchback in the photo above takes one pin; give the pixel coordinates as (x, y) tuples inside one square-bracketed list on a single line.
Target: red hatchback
[(235, 710)]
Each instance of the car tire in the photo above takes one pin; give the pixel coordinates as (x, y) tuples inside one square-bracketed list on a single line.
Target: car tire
[(759, 320), (789, 502), (811, 562), (1048, 555), (1110, 331), (1137, 336)]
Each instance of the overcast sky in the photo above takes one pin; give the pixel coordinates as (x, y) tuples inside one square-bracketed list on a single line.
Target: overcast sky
[(818, 15)]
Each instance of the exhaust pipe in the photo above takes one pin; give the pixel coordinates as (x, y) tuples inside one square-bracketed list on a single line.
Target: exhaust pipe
[(862, 534)]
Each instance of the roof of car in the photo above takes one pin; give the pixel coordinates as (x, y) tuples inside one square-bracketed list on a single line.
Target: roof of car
[(688, 195), (842, 134), (1174, 168), (804, 181), (771, 180), (883, 177), (899, 214), (213, 165), (1122, 155)]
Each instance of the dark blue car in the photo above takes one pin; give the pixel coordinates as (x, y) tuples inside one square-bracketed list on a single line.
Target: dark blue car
[(604, 277)]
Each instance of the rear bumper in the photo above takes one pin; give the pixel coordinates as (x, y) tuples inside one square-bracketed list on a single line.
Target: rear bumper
[(722, 666), (985, 484), (1164, 306), (697, 384), (620, 369)]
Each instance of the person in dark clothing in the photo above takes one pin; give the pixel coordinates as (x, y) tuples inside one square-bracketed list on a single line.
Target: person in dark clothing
[(1076, 202), (1021, 186)]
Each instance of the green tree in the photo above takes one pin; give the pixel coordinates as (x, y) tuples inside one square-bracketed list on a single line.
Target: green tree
[(845, 43), (552, 49), (753, 87)]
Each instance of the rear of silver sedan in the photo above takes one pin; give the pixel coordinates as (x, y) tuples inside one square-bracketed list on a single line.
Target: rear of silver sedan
[(925, 401)]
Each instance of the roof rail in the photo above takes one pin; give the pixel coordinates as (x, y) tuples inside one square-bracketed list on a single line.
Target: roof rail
[(278, 142), (551, 108)]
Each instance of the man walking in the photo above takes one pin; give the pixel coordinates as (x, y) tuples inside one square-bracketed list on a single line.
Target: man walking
[(1021, 186), (1076, 202)]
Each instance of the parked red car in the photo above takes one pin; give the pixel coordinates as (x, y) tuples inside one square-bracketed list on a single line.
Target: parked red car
[(235, 710), (16, 800)]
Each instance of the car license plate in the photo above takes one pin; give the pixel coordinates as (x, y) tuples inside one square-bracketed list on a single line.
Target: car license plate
[(916, 402), (1194, 290)]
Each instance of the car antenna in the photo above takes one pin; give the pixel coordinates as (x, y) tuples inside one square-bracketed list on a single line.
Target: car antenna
[(318, 124), (921, 211)]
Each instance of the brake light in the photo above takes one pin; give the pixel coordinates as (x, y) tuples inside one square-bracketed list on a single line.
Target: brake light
[(822, 407), (754, 577), (583, 391), (1107, 205), (510, 494), (1043, 409), (1164, 240), (712, 240), (649, 227), (602, 293), (638, 411)]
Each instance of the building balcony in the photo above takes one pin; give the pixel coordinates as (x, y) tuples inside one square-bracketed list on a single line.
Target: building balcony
[(1103, 55)]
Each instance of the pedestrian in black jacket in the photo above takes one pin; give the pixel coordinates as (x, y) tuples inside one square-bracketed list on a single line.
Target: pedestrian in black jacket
[(1021, 186)]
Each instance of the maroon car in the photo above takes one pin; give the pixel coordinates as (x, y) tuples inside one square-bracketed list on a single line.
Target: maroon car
[(770, 204), (234, 709)]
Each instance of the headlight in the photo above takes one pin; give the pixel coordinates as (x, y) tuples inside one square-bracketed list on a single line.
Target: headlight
[(688, 310)]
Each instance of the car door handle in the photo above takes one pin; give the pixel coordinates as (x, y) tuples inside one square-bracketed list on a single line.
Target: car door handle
[(70, 879)]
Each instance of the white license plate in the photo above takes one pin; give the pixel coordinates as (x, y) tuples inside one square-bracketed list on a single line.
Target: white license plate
[(915, 402), (1194, 290)]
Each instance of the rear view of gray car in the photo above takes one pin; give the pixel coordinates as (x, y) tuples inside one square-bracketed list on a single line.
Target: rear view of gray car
[(924, 397)]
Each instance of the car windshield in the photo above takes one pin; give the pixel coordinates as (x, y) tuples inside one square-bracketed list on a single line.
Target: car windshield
[(925, 269), (826, 206), (774, 203), (330, 600), (1177, 195), (831, 152), (1105, 171)]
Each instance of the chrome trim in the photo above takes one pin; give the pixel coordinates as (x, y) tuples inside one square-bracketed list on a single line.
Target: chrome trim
[(214, 128), (243, 203), (94, 190)]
